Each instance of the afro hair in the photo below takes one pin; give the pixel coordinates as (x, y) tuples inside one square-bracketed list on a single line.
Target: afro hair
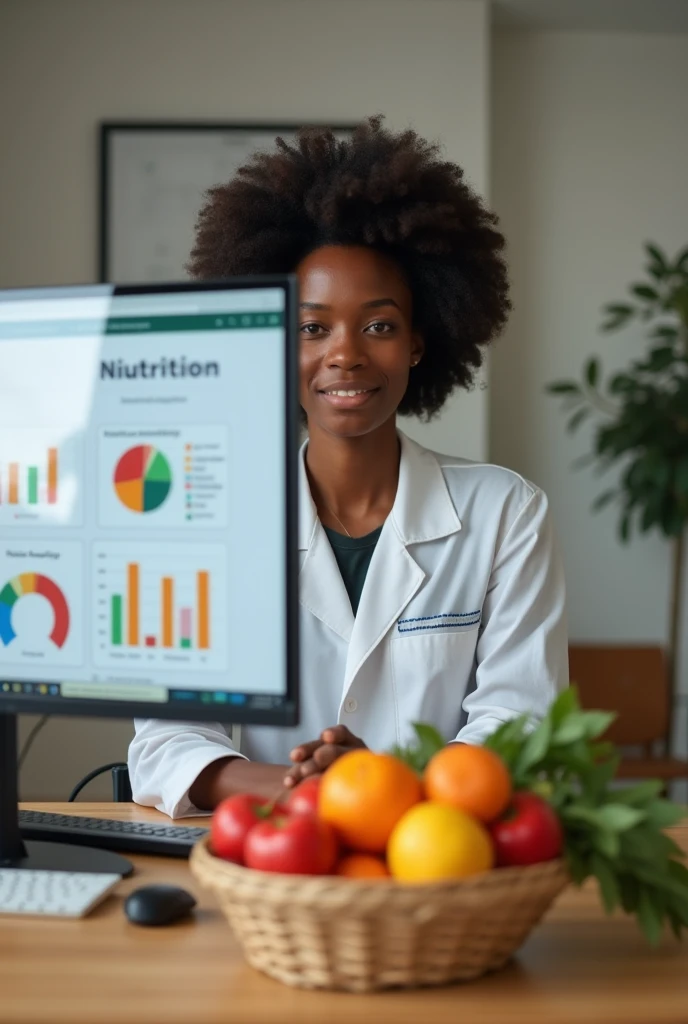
[(392, 192)]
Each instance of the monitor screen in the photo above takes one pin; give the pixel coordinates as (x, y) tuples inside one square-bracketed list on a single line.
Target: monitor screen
[(147, 501)]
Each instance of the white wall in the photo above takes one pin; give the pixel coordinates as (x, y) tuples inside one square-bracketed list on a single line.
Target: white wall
[(66, 65), (589, 160)]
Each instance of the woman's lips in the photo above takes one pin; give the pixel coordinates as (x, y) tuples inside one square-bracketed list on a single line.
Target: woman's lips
[(339, 401)]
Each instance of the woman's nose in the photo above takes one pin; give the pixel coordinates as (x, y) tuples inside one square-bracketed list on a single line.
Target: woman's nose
[(345, 349)]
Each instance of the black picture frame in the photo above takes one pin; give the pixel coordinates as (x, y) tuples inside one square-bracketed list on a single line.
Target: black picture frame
[(110, 132)]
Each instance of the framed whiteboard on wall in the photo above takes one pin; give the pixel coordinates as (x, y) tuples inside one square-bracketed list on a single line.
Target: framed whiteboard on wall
[(153, 177)]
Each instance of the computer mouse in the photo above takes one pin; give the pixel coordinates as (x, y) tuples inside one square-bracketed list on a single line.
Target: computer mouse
[(156, 905)]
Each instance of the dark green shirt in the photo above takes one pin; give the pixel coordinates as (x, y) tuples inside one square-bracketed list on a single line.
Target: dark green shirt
[(353, 556)]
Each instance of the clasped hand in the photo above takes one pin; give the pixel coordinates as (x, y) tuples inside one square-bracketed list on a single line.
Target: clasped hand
[(315, 757)]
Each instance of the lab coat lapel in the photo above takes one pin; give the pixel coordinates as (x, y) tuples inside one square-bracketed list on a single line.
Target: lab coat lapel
[(321, 587), (392, 579), (423, 511)]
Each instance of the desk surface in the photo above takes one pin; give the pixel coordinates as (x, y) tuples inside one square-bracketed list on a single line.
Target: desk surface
[(578, 966)]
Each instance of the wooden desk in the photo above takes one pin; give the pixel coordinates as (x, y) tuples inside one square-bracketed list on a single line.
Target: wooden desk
[(578, 966)]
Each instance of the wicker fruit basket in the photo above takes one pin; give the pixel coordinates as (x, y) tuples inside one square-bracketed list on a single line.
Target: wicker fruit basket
[(362, 935)]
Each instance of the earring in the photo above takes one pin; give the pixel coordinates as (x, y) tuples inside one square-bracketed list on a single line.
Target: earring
[(414, 362)]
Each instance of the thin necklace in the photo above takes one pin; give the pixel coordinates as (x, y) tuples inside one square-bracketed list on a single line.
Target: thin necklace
[(332, 512)]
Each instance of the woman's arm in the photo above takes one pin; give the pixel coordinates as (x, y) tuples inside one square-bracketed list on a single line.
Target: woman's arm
[(166, 758), (522, 653), (231, 775)]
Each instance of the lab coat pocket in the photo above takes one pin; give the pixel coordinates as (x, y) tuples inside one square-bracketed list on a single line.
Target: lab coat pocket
[(431, 672)]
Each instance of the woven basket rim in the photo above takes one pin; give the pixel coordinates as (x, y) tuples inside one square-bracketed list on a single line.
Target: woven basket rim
[(214, 872)]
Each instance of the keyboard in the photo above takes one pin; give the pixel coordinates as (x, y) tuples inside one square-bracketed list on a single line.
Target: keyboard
[(52, 893), (122, 836)]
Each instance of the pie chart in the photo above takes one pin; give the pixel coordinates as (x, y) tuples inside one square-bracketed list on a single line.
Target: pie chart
[(143, 478)]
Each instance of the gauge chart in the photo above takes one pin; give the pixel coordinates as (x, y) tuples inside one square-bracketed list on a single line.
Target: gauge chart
[(33, 583), (41, 604)]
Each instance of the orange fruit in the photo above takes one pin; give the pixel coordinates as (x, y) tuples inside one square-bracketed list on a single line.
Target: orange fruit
[(361, 865), (435, 842), (364, 794), (473, 779)]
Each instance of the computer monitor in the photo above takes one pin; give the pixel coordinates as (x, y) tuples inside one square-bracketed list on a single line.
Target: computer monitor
[(148, 460)]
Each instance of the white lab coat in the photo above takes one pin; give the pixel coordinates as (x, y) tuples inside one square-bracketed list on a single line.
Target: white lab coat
[(461, 623)]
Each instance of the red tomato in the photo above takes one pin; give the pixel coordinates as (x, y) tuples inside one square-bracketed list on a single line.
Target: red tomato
[(296, 844), (528, 832), (304, 799), (233, 819)]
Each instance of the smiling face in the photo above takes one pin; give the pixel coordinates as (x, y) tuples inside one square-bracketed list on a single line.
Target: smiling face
[(357, 342)]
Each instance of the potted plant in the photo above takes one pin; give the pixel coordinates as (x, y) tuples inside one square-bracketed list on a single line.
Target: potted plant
[(642, 419)]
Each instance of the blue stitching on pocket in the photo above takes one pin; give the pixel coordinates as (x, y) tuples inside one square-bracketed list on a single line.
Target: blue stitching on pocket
[(467, 619), (444, 615)]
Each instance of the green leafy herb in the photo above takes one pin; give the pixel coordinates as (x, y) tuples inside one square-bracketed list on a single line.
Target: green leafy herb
[(427, 743), (612, 834)]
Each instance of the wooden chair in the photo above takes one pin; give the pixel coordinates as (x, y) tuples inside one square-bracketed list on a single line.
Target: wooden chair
[(632, 681)]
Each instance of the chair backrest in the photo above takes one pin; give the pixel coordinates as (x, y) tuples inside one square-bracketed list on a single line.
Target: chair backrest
[(630, 680)]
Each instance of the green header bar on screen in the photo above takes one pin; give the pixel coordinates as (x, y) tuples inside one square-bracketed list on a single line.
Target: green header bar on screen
[(141, 325)]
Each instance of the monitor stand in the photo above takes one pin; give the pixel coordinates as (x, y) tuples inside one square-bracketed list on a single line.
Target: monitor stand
[(14, 852)]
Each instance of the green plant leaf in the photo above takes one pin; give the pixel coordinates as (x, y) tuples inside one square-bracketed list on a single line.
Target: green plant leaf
[(681, 261), (664, 813), (577, 418), (570, 730), (602, 500), (609, 817), (565, 703), (622, 383), (665, 331), (607, 843), (577, 865), (597, 722), (676, 923), (661, 358), (681, 476), (619, 817), (535, 746), (649, 917), (592, 371), (430, 740), (658, 264), (583, 461), (625, 527), (609, 889), (640, 793), (617, 314), (618, 309), (644, 291), (650, 516), (564, 387)]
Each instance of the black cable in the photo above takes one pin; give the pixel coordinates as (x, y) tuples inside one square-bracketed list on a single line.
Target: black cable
[(92, 775), (28, 742)]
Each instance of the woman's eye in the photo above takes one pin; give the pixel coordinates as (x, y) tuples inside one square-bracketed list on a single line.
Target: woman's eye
[(310, 329), (381, 327)]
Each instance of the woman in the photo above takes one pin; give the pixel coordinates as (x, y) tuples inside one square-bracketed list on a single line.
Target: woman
[(430, 588)]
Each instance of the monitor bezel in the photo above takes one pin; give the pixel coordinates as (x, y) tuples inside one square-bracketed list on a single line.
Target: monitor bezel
[(287, 713)]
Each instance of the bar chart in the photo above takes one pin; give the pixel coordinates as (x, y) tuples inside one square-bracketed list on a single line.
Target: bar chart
[(39, 478), (146, 612)]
